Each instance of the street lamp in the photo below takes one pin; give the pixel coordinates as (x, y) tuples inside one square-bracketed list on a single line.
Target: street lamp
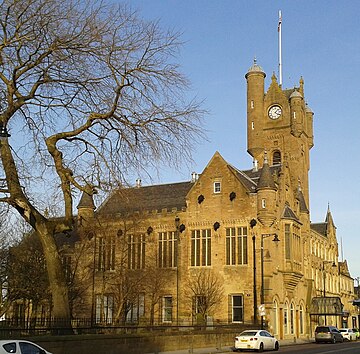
[(324, 278), (177, 236), (324, 274), (253, 222), (276, 240)]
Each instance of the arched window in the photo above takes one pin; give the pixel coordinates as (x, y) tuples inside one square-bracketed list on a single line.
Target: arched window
[(286, 318), (301, 319), (276, 157), (275, 317), (292, 319)]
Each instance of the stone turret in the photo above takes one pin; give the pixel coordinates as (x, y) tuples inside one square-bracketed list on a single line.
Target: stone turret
[(266, 195), (86, 208), (255, 108)]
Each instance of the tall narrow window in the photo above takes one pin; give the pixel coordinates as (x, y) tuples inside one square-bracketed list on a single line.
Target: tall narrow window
[(237, 308), (292, 319), (236, 246), (105, 253), (275, 317), (167, 250), (104, 308), (287, 241), (167, 308), (263, 203), (301, 319), (136, 309), (201, 247), (136, 251), (286, 318)]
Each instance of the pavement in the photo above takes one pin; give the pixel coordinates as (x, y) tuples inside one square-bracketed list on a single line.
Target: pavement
[(226, 349)]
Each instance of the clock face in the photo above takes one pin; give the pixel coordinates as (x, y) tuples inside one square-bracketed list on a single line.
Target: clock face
[(274, 112)]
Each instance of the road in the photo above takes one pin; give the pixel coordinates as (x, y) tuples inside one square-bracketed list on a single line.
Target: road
[(313, 348)]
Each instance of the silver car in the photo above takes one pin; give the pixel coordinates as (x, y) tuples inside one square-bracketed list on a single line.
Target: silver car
[(20, 347), (328, 334)]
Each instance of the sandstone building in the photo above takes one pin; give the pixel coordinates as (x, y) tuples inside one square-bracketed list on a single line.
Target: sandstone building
[(227, 246)]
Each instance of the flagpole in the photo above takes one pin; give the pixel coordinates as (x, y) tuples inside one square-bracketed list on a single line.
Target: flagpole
[(280, 55)]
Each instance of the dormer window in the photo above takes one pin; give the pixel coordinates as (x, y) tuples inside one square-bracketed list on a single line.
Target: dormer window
[(217, 187)]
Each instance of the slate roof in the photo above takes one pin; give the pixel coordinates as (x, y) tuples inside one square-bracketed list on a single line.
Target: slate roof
[(147, 198), (288, 213), (319, 227)]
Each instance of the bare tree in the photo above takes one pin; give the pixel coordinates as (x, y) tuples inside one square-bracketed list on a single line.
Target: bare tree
[(89, 94), (204, 293)]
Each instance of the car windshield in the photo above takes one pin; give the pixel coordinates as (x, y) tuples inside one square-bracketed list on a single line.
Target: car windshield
[(248, 333), (343, 330), (322, 329)]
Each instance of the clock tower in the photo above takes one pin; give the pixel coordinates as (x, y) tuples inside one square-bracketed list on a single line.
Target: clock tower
[(279, 123)]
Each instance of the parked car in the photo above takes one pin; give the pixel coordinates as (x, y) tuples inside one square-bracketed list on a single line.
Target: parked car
[(356, 332), (328, 334), (259, 340), (348, 334), (20, 347)]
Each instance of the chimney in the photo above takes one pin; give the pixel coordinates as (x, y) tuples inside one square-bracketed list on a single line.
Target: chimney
[(138, 182)]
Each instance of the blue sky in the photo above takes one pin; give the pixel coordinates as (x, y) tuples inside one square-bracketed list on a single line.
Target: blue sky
[(321, 42)]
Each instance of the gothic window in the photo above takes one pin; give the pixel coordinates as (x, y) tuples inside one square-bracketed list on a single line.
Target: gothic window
[(286, 318), (105, 253), (236, 246), (237, 308), (167, 251), (292, 319), (201, 248), (301, 319), (136, 251), (275, 316), (277, 157)]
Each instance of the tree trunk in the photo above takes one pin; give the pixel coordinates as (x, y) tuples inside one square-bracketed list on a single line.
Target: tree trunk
[(57, 281)]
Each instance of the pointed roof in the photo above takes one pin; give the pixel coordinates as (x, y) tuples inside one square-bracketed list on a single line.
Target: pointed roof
[(329, 218), (86, 201), (288, 213), (301, 199), (266, 180)]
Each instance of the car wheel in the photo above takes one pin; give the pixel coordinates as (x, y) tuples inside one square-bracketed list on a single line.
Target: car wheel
[(334, 340), (276, 346), (261, 348)]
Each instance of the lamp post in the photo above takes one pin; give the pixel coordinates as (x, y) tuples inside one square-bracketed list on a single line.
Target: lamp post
[(177, 236), (252, 224), (324, 279), (262, 299)]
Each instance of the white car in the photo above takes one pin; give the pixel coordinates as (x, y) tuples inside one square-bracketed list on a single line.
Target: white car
[(20, 347), (348, 333), (259, 340)]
